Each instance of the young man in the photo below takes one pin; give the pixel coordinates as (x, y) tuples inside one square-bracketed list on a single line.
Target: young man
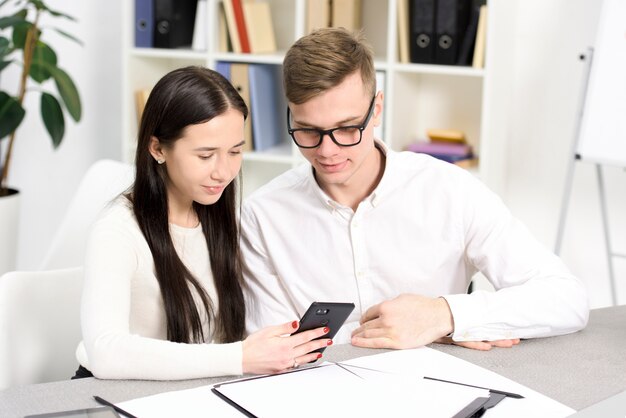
[(397, 233)]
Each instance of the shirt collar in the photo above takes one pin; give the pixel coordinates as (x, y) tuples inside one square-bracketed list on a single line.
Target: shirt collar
[(375, 197)]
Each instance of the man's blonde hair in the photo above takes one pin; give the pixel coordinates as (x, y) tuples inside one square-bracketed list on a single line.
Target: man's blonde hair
[(323, 59)]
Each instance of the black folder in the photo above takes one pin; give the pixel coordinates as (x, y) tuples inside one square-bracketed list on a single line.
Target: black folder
[(451, 17), (466, 50), (422, 27), (174, 22)]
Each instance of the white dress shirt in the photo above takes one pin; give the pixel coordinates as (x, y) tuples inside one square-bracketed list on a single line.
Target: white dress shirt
[(122, 313), (426, 229)]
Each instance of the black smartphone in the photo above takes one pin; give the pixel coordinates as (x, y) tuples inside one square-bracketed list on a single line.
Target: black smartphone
[(325, 314)]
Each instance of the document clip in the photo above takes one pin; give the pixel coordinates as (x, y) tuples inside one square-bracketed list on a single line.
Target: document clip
[(478, 406)]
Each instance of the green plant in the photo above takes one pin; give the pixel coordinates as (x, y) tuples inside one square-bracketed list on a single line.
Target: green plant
[(39, 65)]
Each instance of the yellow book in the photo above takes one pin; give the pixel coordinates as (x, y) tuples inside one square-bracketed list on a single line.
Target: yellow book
[(403, 31), (346, 14), (231, 24), (468, 163), (259, 26), (239, 80), (478, 60), (446, 135), (141, 97), (223, 40), (317, 14)]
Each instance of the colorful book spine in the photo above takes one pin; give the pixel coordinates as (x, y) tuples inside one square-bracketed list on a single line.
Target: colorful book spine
[(240, 21), (441, 148)]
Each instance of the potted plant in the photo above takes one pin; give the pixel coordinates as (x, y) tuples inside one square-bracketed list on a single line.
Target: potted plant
[(22, 43)]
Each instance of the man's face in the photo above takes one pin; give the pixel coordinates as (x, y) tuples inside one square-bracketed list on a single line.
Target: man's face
[(346, 104)]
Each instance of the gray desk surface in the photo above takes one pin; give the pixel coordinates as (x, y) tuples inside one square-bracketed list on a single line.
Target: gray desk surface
[(578, 370)]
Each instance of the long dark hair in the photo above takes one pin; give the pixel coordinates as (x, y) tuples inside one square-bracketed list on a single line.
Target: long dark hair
[(184, 97)]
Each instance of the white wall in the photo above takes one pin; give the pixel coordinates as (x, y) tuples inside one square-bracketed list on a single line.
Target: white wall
[(548, 74), (47, 178), (549, 35)]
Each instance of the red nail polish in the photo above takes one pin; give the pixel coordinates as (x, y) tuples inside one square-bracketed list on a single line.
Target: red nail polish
[(319, 355), (326, 330), (330, 342), (294, 324)]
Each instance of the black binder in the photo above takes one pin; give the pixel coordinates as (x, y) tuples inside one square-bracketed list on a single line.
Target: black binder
[(174, 21), (422, 27), (466, 50), (451, 18)]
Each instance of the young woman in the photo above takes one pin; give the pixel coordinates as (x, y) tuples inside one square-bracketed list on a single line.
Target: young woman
[(162, 295)]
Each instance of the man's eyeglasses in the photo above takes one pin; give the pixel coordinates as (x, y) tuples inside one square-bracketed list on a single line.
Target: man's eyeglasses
[(344, 136)]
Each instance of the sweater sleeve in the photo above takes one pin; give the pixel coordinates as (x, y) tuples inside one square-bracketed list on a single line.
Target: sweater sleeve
[(111, 351)]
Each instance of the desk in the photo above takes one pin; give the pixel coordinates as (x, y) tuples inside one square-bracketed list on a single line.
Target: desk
[(577, 370)]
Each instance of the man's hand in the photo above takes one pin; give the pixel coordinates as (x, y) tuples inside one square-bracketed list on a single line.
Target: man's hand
[(480, 345), (407, 321)]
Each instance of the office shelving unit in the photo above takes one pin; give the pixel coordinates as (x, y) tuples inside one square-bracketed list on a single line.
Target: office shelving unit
[(417, 96)]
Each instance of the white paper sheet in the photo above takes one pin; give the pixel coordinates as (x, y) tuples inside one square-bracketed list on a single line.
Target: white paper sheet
[(189, 403), (394, 388), (428, 362)]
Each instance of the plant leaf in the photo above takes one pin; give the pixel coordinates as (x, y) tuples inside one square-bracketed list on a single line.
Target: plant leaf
[(69, 36), (42, 54), (41, 6), (11, 114), (4, 46), (19, 34), (68, 91), (9, 21), (52, 116), (3, 64), (60, 14)]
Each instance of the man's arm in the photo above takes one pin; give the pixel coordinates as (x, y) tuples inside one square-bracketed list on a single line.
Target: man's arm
[(536, 295), (410, 321)]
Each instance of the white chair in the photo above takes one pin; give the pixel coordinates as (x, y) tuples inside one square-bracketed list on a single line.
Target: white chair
[(102, 182), (39, 325)]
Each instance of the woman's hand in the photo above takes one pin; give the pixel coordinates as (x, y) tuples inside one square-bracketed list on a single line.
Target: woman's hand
[(272, 349)]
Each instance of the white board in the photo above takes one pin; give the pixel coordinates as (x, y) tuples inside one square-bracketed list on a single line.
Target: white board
[(603, 130)]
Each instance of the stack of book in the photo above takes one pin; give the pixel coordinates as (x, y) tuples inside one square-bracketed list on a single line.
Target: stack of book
[(447, 145)]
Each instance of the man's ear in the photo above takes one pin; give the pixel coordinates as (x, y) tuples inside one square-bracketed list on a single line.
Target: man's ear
[(155, 149), (378, 109)]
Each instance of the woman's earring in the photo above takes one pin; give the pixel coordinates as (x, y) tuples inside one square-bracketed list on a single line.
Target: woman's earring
[(160, 161)]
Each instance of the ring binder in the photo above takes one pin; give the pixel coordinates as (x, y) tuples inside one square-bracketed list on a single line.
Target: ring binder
[(422, 28), (173, 23), (452, 18), (144, 23)]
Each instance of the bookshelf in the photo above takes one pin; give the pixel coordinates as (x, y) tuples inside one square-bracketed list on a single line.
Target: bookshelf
[(417, 96)]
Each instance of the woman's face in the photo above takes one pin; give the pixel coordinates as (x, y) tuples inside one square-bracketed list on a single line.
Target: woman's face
[(204, 160)]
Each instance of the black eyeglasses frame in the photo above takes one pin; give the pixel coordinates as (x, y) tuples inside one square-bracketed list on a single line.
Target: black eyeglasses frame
[(329, 132)]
